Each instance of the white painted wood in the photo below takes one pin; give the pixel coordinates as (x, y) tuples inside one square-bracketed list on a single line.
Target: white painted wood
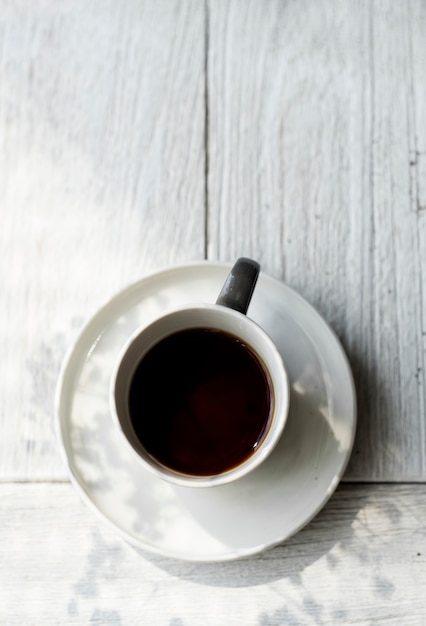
[(317, 134), (101, 181), (418, 185), (316, 164), (362, 560)]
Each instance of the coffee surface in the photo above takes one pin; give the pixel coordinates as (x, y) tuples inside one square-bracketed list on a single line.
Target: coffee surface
[(200, 402)]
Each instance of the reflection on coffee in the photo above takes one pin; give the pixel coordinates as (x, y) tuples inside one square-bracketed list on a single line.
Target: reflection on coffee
[(200, 402)]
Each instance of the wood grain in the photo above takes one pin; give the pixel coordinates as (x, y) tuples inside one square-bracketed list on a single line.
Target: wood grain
[(101, 181), (361, 560), (317, 133), (136, 135)]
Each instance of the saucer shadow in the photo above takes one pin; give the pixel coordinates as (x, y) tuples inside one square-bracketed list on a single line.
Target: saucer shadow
[(374, 405)]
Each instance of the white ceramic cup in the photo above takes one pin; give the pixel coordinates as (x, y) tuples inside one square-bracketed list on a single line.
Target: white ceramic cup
[(228, 316)]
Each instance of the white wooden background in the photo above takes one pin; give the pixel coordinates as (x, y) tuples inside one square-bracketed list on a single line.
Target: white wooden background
[(143, 133)]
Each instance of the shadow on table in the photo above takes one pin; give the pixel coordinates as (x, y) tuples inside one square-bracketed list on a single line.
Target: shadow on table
[(373, 448)]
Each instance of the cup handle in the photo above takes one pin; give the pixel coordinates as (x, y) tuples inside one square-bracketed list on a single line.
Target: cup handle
[(239, 286)]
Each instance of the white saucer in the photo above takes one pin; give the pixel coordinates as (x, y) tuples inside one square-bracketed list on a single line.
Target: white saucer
[(230, 521)]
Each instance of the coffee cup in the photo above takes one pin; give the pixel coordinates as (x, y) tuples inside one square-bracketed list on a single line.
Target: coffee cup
[(201, 395)]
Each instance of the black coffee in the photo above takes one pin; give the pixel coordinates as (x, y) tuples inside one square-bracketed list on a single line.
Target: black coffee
[(200, 402)]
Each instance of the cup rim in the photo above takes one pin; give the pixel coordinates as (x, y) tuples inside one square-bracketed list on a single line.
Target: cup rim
[(275, 429)]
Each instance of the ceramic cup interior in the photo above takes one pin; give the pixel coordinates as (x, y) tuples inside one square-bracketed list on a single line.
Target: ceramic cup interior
[(206, 316)]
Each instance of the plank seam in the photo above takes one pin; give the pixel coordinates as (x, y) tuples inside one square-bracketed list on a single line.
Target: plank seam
[(346, 482), (206, 127)]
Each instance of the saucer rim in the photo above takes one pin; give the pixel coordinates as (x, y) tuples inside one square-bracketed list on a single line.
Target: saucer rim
[(66, 370)]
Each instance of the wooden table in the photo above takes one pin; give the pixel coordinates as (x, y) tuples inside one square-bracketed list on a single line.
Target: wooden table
[(141, 134)]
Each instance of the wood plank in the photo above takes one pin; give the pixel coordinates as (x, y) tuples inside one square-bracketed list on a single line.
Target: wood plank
[(101, 181), (418, 186), (316, 140), (362, 559)]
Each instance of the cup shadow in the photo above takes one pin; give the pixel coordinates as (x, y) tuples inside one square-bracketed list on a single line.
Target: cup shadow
[(333, 526)]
